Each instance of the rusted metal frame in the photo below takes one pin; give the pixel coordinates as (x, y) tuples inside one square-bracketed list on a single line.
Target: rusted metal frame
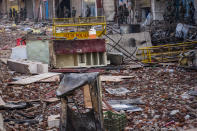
[(128, 56)]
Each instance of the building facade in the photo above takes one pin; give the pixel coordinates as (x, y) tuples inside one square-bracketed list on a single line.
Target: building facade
[(48, 9)]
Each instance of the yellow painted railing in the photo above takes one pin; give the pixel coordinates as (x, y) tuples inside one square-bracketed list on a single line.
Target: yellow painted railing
[(165, 53), (78, 28)]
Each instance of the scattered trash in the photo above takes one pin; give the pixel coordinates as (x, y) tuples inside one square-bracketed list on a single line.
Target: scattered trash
[(187, 117), (54, 121), (14, 106), (125, 105), (114, 78), (185, 95), (174, 112), (193, 93), (165, 94), (137, 101), (169, 123), (118, 91)]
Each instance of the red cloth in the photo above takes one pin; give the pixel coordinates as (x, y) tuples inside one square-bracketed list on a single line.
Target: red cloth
[(18, 42)]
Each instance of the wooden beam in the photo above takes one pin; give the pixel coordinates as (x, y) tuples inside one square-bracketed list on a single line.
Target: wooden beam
[(87, 97)]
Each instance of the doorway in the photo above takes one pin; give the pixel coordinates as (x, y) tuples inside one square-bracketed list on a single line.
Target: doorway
[(61, 6)]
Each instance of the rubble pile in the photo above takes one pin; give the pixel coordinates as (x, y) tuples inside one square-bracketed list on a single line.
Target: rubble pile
[(159, 97), (10, 32), (163, 32), (9, 38), (38, 102), (4, 74), (165, 93)]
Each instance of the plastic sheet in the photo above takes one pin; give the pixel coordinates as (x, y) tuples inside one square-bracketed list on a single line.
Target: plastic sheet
[(72, 81)]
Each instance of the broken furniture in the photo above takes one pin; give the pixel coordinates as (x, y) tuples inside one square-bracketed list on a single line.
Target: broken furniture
[(74, 115)]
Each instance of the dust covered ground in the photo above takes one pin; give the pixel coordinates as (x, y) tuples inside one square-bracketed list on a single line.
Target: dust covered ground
[(168, 94)]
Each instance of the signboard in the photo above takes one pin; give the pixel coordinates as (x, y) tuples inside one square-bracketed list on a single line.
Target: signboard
[(78, 35)]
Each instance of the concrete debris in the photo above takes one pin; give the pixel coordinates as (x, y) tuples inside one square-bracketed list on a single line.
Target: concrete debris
[(115, 58), (187, 117), (118, 91), (26, 67), (5, 53), (153, 97), (54, 121), (174, 112), (19, 52)]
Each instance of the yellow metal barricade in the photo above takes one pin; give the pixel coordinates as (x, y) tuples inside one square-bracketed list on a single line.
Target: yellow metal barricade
[(165, 53), (78, 28)]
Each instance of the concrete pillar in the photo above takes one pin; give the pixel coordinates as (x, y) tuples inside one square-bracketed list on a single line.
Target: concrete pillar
[(54, 14), (158, 8), (4, 7), (34, 10), (99, 7), (109, 9), (153, 9)]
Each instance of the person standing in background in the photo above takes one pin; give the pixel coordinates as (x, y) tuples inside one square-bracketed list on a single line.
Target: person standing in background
[(24, 14), (88, 11), (73, 12), (14, 13), (21, 15), (191, 12), (10, 14), (125, 14), (182, 12)]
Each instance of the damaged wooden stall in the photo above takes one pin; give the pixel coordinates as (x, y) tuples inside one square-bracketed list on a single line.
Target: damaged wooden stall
[(76, 113), (73, 45), (63, 53), (77, 53)]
